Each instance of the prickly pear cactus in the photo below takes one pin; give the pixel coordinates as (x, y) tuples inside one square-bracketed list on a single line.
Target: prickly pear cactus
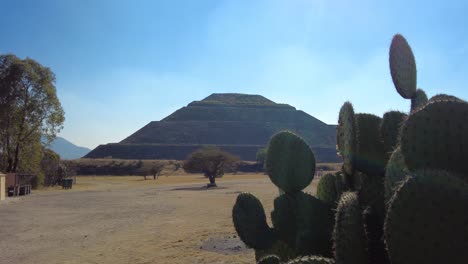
[(312, 260), (304, 222), (290, 163), (390, 129), (270, 259), (403, 67), (436, 137), (418, 100), (370, 152), (427, 220), (250, 222), (346, 138), (444, 97), (373, 227), (395, 173), (327, 189), (348, 236)]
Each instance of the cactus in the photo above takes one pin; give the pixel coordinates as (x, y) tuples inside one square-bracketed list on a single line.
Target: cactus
[(346, 138), (270, 259), (395, 173), (390, 129), (290, 163), (348, 235), (370, 152), (303, 222), (427, 221), (444, 97), (436, 137), (250, 222), (279, 249), (312, 260), (373, 227), (371, 193), (327, 189), (418, 100), (403, 67)]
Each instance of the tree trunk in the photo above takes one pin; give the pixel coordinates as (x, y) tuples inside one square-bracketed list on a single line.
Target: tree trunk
[(212, 179), (15, 164)]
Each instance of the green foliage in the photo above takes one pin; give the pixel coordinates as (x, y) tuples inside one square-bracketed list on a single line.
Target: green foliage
[(346, 138), (436, 137), (390, 129), (29, 107), (303, 222), (290, 163), (395, 173), (250, 222), (312, 260), (402, 67), (370, 156), (348, 235), (327, 189), (211, 161), (427, 221), (418, 100)]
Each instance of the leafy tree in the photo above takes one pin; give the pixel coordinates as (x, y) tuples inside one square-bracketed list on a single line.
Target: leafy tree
[(29, 108), (211, 161), (156, 170)]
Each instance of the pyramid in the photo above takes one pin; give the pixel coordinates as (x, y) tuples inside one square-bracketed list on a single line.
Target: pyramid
[(238, 123)]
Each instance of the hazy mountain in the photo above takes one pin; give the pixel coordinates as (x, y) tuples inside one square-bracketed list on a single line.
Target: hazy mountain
[(68, 150)]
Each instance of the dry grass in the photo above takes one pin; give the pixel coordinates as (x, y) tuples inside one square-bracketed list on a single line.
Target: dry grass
[(128, 220)]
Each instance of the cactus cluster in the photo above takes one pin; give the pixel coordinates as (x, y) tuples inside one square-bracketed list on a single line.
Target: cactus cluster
[(401, 196)]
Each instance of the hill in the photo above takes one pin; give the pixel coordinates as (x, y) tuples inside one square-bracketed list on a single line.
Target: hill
[(68, 150), (238, 123)]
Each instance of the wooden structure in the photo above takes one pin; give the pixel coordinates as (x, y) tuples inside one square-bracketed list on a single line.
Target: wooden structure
[(2, 187), (18, 184)]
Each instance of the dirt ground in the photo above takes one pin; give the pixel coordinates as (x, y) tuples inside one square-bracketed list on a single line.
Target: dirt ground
[(128, 220)]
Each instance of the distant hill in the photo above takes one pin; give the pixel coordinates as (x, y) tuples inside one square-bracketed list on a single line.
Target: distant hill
[(238, 123), (68, 150)]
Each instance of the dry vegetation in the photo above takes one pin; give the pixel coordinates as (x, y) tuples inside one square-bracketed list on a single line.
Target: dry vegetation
[(126, 219)]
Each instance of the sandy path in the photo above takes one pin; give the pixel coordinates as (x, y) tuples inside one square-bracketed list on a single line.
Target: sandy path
[(121, 220)]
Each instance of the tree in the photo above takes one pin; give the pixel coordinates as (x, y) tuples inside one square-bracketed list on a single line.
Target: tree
[(29, 108), (211, 161), (156, 170)]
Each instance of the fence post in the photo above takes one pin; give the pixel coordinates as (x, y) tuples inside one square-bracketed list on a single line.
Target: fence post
[(2, 187)]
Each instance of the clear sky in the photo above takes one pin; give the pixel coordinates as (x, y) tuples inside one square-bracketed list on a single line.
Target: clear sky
[(122, 64)]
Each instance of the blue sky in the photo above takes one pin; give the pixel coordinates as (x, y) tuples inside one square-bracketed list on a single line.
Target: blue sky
[(122, 64)]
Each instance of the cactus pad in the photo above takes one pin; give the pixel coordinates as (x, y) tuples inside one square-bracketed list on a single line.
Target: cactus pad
[(303, 222), (436, 137), (427, 220), (444, 97), (346, 139), (349, 237), (279, 249), (403, 67), (418, 100), (270, 259), (290, 162), (250, 222), (326, 189), (312, 260), (390, 129), (370, 152), (395, 173)]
